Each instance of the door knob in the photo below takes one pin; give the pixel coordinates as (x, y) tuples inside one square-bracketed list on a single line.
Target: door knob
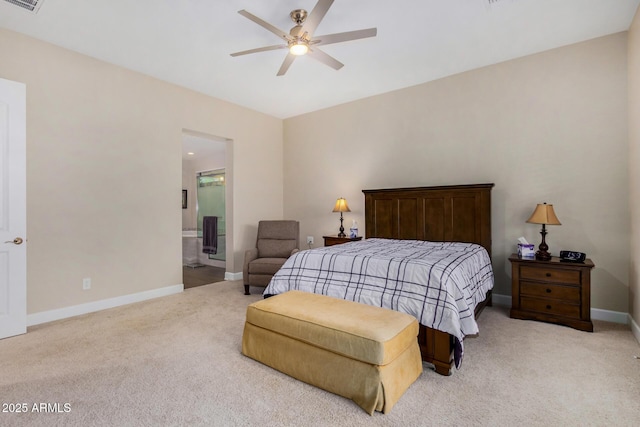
[(16, 241)]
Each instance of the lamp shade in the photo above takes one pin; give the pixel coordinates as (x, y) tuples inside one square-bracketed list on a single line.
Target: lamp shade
[(544, 214), (341, 205)]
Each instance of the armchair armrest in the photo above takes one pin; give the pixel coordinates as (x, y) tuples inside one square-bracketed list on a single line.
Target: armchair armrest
[(249, 255)]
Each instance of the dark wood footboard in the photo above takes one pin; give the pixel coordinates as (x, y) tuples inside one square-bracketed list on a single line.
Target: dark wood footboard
[(436, 347)]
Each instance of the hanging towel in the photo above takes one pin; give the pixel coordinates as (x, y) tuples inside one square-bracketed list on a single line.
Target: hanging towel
[(210, 235)]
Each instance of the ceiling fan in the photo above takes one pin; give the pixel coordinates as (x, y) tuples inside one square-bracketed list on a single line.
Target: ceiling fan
[(300, 39)]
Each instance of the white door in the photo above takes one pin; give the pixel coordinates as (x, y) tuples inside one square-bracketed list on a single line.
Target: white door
[(13, 209)]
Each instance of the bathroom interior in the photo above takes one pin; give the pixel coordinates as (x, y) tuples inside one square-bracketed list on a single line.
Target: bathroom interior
[(203, 209)]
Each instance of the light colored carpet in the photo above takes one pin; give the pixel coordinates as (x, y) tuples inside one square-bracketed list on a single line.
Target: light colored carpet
[(176, 361)]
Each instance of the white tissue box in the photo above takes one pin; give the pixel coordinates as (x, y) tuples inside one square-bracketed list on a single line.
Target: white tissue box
[(526, 250)]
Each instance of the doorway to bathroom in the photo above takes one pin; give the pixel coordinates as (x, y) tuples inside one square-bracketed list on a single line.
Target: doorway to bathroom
[(204, 209), (210, 208)]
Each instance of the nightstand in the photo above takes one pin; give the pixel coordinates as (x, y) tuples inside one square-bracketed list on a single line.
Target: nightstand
[(335, 240), (552, 291)]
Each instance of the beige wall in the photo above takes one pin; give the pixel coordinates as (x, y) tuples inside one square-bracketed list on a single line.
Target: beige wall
[(551, 127), (634, 162), (104, 173)]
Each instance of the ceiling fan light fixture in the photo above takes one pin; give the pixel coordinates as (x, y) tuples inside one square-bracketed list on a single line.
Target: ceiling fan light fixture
[(298, 47), (300, 38)]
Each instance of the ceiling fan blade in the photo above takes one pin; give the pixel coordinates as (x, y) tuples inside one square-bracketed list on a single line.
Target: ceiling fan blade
[(319, 55), (344, 37), (277, 31), (317, 14), (288, 60), (260, 49)]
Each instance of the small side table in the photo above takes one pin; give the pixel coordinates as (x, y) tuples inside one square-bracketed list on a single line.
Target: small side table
[(335, 240), (552, 291)]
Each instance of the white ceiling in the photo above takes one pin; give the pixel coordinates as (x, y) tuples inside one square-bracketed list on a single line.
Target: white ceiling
[(188, 42)]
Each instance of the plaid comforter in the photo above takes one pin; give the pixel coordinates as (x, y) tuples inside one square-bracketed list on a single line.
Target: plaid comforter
[(439, 283)]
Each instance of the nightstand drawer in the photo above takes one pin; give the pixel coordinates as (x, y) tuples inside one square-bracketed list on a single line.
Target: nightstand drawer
[(549, 306), (550, 275), (568, 293)]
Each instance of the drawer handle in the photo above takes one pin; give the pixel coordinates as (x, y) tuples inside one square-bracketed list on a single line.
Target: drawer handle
[(548, 290), (548, 274), (548, 307)]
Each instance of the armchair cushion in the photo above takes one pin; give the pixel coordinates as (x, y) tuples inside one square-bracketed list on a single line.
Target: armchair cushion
[(266, 265), (276, 248)]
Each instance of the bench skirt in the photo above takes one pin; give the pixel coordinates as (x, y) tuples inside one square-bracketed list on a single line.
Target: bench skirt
[(371, 386)]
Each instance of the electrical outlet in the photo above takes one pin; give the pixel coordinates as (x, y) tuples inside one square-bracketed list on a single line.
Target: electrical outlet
[(309, 240), (86, 283)]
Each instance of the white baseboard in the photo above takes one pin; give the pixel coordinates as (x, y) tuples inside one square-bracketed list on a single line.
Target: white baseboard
[(232, 276), (76, 310), (596, 313), (610, 316)]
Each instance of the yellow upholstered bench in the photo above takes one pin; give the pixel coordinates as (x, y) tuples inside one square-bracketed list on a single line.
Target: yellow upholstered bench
[(367, 354)]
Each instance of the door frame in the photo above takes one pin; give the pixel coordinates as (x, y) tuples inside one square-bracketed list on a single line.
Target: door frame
[(13, 208)]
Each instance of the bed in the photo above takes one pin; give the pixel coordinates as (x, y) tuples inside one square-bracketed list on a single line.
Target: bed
[(407, 231)]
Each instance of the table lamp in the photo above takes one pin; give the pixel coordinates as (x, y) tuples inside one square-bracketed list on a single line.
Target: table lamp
[(341, 206), (544, 214)]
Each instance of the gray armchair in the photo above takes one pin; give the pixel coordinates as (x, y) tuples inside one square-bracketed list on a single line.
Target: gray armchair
[(277, 241)]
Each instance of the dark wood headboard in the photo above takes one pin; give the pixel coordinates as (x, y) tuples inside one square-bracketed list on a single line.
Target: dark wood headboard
[(452, 213)]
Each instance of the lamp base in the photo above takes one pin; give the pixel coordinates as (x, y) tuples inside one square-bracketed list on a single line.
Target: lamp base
[(543, 256), (341, 233)]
